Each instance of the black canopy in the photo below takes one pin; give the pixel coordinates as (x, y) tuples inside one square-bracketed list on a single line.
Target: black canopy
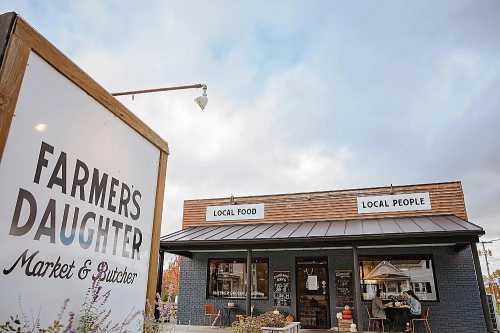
[(379, 231)]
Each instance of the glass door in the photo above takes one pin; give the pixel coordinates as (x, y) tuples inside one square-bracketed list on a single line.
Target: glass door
[(313, 304)]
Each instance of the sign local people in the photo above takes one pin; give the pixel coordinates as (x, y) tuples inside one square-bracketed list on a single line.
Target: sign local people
[(394, 203)]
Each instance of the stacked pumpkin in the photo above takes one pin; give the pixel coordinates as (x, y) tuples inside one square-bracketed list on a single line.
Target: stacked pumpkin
[(347, 313)]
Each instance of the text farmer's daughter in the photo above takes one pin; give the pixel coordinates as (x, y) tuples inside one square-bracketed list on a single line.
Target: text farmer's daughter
[(77, 225)]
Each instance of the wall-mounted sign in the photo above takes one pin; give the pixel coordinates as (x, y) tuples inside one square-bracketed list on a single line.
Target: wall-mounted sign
[(343, 288), (394, 203), (281, 288), (235, 212), (78, 190)]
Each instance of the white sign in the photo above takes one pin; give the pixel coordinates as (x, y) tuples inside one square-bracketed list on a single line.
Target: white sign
[(394, 203), (77, 201), (235, 212)]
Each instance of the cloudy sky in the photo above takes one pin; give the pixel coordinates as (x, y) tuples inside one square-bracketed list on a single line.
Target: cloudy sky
[(303, 96)]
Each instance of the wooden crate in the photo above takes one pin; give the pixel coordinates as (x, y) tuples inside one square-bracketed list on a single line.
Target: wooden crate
[(344, 325)]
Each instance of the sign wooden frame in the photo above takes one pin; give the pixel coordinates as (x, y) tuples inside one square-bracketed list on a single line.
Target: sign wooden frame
[(17, 40)]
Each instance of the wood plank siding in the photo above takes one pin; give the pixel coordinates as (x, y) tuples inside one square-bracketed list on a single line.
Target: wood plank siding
[(446, 198)]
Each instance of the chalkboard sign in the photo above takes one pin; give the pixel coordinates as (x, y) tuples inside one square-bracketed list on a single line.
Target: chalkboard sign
[(281, 288), (343, 284)]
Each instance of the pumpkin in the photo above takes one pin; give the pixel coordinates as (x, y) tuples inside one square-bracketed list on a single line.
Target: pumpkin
[(347, 313), (289, 318)]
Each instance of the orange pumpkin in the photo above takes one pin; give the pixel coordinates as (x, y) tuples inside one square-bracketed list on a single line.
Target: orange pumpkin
[(347, 314)]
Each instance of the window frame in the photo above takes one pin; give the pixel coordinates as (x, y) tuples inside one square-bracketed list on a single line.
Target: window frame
[(390, 257), (239, 260)]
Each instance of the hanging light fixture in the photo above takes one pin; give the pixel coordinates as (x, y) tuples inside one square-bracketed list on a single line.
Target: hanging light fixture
[(203, 99)]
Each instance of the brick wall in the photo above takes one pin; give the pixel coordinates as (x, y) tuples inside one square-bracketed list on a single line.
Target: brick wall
[(459, 307), (458, 310), (193, 288)]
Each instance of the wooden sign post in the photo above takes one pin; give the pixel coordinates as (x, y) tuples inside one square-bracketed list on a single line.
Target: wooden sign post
[(82, 182)]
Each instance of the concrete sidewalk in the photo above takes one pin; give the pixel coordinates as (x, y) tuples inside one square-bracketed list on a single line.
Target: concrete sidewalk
[(208, 329), (194, 329)]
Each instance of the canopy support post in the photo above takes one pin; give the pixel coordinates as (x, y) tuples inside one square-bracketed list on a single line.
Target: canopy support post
[(249, 283), (356, 287)]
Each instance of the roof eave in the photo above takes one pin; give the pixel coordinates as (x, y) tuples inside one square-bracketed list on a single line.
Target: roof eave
[(354, 240)]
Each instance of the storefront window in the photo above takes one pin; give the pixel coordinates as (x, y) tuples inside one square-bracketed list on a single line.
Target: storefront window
[(227, 278), (395, 275)]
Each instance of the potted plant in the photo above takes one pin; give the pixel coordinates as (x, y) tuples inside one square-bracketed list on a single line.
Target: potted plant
[(246, 325), (273, 321), (269, 322)]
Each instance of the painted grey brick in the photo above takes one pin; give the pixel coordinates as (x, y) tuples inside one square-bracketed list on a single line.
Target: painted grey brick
[(458, 310)]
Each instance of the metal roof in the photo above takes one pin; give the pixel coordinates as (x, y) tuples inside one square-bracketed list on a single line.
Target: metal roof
[(379, 228)]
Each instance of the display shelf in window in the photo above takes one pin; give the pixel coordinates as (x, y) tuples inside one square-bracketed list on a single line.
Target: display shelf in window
[(394, 275), (227, 278)]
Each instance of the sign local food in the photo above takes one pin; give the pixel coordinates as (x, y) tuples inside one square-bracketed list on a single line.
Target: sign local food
[(394, 203), (77, 202), (235, 212)]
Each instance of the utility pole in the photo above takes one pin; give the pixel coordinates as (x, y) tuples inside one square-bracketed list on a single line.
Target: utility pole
[(492, 286), (486, 254)]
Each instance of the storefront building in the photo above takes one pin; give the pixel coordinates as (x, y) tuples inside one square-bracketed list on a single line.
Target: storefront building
[(310, 254)]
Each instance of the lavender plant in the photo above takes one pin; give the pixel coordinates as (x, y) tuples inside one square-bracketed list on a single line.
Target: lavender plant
[(167, 310), (167, 313), (94, 317)]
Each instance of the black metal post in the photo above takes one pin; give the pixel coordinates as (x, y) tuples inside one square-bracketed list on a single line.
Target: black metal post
[(249, 283), (159, 279), (357, 286), (480, 283)]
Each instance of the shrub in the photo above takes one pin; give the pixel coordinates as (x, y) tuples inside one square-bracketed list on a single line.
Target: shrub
[(247, 325), (270, 319)]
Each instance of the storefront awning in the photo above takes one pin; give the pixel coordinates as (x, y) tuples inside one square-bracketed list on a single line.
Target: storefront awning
[(401, 230)]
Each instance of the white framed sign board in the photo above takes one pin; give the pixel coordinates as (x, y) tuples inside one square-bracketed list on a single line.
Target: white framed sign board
[(235, 212), (394, 203), (80, 188)]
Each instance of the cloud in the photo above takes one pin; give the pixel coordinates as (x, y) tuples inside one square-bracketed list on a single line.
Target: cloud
[(302, 96)]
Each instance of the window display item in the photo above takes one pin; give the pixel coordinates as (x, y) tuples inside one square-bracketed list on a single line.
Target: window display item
[(312, 282)]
